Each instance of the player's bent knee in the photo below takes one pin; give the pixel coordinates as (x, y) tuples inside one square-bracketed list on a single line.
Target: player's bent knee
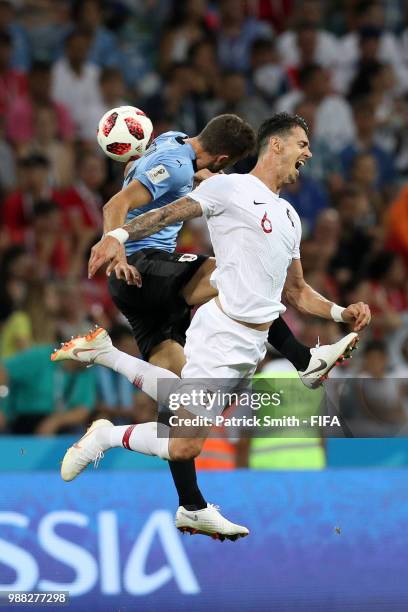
[(184, 449)]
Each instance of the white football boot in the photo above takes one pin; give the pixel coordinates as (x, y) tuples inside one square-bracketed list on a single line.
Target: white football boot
[(324, 358), (84, 348), (87, 450), (209, 522)]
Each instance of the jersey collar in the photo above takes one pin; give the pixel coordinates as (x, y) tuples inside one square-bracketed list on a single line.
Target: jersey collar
[(189, 148)]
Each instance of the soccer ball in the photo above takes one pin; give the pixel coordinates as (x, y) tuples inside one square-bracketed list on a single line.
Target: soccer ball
[(124, 133)]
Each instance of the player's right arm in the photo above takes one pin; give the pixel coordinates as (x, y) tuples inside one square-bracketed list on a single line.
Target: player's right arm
[(134, 195), (142, 226), (145, 184)]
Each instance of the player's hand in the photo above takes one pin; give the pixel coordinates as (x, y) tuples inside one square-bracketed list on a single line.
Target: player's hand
[(359, 314), (125, 272), (202, 175), (102, 252)]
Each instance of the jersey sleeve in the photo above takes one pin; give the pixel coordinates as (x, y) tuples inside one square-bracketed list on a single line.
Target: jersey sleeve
[(212, 195), (160, 175)]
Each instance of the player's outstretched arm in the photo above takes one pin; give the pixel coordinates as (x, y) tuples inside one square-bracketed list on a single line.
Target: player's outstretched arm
[(144, 225), (155, 220), (115, 211), (304, 298)]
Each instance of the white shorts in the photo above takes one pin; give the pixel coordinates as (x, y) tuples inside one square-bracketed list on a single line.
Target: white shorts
[(220, 353)]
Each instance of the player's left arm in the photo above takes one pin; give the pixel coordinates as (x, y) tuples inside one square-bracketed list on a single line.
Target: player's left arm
[(149, 223), (304, 298)]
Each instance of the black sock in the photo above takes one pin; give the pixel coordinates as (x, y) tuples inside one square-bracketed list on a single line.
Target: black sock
[(184, 475), (285, 342), (185, 478)]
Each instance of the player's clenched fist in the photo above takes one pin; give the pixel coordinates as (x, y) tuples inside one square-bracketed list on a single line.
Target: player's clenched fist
[(107, 249), (359, 314)]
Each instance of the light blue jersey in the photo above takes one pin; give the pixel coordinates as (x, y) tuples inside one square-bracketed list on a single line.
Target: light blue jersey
[(166, 170)]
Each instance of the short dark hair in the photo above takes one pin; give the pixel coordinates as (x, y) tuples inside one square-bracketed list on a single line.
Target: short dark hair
[(375, 345), (81, 32), (34, 160), (42, 208), (308, 72), (229, 135), (40, 67), (279, 125), (262, 44), (5, 39)]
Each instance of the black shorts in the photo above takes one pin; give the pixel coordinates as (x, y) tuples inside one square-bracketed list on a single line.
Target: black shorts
[(157, 311)]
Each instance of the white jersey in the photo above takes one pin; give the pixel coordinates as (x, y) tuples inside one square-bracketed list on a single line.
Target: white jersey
[(255, 236)]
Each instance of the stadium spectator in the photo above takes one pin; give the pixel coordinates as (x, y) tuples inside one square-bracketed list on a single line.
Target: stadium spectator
[(188, 25), (355, 235), (236, 33), (20, 48), (88, 15), (45, 142), (75, 81), (33, 186), (268, 77), (333, 119), (368, 17), (47, 23), (233, 98), (324, 167), (13, 83), (364, 174), (72, 317), (366, 142), (45, 241), (203, 58), (20, 117), (45, 398), (33, 323), (397, 224), (8, 173), (374, 400), (178, 101), (82, 202), (307, 44)]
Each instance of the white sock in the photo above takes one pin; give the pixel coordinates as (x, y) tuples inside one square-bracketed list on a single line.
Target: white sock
[(140, 373), (143, 438)]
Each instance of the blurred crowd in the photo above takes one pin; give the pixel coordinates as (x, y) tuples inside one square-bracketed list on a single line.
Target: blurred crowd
[(341, 64)]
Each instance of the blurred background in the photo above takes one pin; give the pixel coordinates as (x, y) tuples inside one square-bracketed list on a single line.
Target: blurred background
[(343, 66)]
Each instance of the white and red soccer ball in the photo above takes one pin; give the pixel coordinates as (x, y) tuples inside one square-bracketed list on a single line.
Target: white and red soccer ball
[(124, 133)]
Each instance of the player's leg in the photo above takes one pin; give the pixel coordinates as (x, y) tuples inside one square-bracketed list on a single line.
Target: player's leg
[(283, 340), (159, 318), (198, 289), (169, 354)]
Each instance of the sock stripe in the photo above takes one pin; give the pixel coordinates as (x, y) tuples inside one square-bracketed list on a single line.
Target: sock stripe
[(126, 436), (138, 381)]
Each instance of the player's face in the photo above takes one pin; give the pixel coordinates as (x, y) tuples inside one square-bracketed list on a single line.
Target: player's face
[(296, 151)]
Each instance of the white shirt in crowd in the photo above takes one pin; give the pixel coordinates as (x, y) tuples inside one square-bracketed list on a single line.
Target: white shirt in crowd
[(255, 236), (78, 92), (334, 123), (326, 52), (389, 52)]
